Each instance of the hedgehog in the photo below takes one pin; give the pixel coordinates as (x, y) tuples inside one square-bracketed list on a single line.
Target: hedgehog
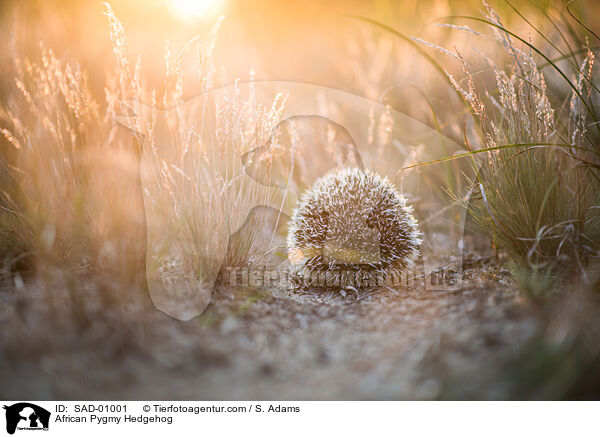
[(351, 230)]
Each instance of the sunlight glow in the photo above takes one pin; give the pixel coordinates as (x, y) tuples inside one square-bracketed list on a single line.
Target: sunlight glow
[(192, 8)]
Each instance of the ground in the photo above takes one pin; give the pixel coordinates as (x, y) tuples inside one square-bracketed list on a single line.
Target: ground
[(268, 344)]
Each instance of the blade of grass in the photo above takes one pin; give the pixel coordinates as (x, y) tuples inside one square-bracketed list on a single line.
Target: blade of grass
[(417, 47), (505, 146), (560, 58), (560, 32), (590, 109), (544, 37), (579, 21)]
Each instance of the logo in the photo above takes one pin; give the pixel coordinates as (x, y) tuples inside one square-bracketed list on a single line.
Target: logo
[(26, 416), (298, 133)]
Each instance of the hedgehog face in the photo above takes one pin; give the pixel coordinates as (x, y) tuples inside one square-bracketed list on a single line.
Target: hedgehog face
[(356, 221)]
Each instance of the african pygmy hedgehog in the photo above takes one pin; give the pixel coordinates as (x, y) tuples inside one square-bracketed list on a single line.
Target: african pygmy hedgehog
[(351, 230)]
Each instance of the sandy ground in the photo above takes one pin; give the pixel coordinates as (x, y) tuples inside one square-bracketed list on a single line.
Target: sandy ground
[(265, 344)]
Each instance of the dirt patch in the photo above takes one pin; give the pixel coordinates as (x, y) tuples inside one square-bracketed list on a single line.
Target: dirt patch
[(264, 344)]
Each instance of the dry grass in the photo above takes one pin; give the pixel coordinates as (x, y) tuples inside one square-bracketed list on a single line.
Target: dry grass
[(540, 198), (77, 222), (64, 154), (68, 207), (537, 191)]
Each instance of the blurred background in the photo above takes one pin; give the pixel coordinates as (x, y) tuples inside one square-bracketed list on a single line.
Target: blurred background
[(315, 42)]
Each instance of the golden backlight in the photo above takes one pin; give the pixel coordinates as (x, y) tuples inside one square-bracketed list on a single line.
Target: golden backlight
[(192, 8)]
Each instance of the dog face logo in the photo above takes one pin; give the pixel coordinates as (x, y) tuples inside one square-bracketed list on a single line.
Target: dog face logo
[(193, 155), (26, 416)]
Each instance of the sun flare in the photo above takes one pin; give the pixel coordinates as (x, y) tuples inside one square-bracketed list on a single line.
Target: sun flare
[(192, 8)]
